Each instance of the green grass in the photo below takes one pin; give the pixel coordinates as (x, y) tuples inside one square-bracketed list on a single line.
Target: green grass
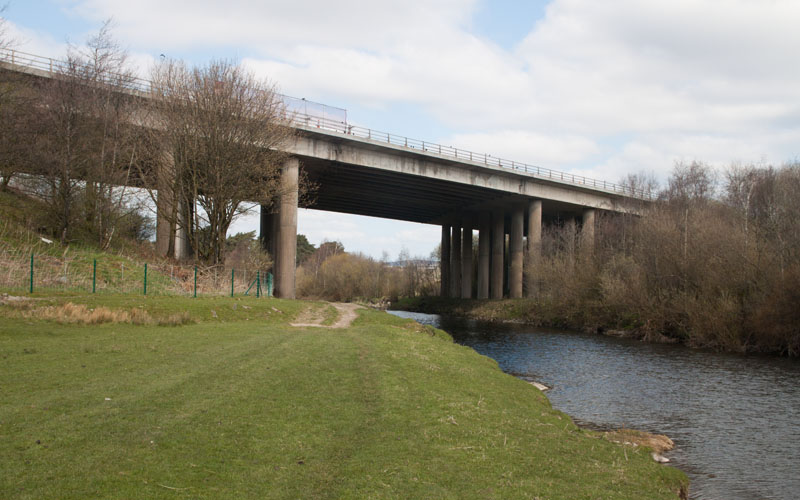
[(240, 405)]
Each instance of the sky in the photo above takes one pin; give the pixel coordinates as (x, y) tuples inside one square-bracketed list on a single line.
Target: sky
[(596, 88)]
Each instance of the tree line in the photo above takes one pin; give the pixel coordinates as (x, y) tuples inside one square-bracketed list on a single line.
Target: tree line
[(204, 143), (331, 273), (714, 262)]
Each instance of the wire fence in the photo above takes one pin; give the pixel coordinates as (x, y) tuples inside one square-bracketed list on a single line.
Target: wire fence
[(23, 272)]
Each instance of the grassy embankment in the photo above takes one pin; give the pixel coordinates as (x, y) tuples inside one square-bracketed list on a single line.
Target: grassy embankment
[(235, 403), (120, 268)]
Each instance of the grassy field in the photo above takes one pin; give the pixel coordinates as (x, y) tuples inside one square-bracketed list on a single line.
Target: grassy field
[(229, 401)]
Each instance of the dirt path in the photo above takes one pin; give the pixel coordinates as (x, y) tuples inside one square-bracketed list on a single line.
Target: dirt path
[(315, 316)]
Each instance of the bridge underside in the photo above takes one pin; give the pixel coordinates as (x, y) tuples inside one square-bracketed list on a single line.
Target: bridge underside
[(503, 221), (367, 191)]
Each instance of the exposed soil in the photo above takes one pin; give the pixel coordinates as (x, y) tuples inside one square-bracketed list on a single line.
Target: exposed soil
[(314, 316)]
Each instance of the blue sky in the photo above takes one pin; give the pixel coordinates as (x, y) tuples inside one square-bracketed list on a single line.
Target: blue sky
[(601, 89)]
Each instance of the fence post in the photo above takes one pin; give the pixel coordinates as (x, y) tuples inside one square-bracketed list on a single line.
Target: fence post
[(258, 284), (232, 276), (145, 278), (195, 281), (31, 272), (94, 276)]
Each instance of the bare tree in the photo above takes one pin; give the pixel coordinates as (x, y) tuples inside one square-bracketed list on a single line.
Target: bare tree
[(220, 136), (11, 115), (63, 152), (5, 40), (694, 183), (85, 145), (113, 108)]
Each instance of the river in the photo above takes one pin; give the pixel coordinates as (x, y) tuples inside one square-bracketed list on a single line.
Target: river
[(734, 419)]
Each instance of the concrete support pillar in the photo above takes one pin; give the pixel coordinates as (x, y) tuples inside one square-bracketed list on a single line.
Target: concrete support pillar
[(172, 234), (534, 243), (181, 244), (165, 206), (506, 264), (484, 250), (516, 252), (466, 259), (498, 247), (587, 229), (455, 262), (163, 226), (286, 254), (444, 261), (535, 230)]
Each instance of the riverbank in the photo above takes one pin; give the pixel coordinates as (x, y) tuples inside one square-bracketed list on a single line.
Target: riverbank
[(528, 312), (221, 398)]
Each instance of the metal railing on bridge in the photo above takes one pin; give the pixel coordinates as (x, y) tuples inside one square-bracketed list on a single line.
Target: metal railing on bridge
[(313, 115)]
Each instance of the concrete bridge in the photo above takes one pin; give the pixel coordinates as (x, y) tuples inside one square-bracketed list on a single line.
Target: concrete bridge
[(365, 172)]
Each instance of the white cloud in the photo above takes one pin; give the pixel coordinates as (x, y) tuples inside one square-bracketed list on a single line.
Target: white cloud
[(35, 42), (270, 27)]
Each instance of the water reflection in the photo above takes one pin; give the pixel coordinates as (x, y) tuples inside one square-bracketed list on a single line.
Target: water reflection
[(733, 418)]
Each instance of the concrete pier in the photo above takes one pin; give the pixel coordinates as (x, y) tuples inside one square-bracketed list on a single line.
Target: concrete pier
[(498, 247), (455, 261), (516, 253), (172, 236), (587, 229), (164, 227), (534, 230), (181, 244), (286, 248), (484, 251), (166, 206), (444, 262), (466, 258), (534, 245)]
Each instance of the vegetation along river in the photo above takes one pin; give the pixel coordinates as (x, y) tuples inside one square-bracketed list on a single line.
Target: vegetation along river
[(734, 419)]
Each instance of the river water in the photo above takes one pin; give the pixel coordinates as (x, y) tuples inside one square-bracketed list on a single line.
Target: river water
[(735, 419)]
